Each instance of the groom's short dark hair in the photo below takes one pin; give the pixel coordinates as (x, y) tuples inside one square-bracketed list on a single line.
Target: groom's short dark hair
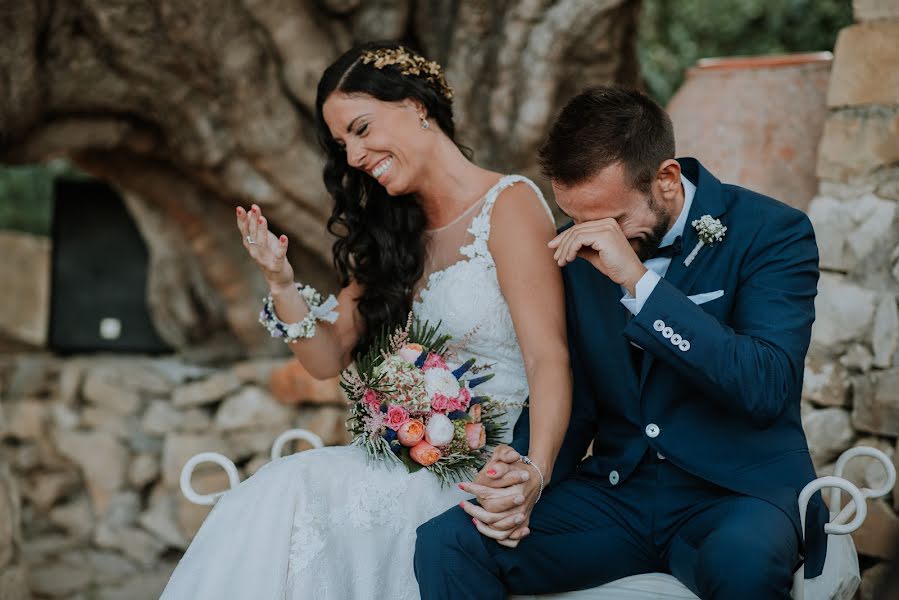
[(604, 125)]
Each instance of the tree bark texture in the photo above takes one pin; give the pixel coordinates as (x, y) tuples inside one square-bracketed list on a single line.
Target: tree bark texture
[(190, 107)]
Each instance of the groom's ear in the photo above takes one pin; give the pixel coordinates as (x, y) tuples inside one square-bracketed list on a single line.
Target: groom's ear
[(668, 178)]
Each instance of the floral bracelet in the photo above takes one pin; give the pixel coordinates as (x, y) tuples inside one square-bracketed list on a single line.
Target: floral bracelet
[(319, 310)]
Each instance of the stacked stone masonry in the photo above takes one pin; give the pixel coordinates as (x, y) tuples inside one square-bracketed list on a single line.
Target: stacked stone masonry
[(91, 450), (851, 390)]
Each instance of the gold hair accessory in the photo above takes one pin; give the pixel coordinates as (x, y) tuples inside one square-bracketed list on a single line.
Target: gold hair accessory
[(409, 63)]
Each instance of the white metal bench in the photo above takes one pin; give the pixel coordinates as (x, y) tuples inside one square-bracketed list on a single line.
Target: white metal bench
[(839, 580)]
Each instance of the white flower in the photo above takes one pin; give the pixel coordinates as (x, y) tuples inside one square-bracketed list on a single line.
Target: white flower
[(709, 230), (440, 430), (441, 381), (294, 330)]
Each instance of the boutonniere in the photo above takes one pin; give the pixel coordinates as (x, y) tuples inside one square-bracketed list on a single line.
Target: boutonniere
[(709, 231)]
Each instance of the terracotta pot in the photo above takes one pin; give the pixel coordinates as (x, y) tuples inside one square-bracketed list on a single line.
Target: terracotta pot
[(756, 121)]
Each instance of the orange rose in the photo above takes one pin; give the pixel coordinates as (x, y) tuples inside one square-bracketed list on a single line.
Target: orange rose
[(475, 435), (424, 454), (411, 432), (475, 413)]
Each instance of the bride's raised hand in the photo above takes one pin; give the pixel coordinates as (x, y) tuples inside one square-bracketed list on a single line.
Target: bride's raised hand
[(267, 250)]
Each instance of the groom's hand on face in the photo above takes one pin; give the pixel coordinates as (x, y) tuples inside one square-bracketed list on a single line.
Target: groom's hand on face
[(605, 246)]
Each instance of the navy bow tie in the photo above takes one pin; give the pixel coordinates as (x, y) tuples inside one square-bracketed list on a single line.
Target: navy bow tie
[(671, 250)]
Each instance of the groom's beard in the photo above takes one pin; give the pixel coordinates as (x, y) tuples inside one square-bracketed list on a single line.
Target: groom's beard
[(652, 242)]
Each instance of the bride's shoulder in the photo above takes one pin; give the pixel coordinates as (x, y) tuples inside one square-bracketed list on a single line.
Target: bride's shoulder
[(519, 203)]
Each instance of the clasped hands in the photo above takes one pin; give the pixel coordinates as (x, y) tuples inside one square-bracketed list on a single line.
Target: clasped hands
[(506, 490)]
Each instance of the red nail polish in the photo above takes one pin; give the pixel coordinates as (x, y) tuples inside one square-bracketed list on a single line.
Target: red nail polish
[(475, 521), (491, 472), (260, 220), (461, 488), (462, 505)]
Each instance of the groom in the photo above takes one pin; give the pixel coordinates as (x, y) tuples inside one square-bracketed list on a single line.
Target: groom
[(687, 343)]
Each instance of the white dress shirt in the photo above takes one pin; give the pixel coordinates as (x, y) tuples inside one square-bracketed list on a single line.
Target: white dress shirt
[(657, 267)]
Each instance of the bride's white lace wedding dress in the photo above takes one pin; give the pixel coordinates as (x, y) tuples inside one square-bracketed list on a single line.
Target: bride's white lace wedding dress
[(330, 524)]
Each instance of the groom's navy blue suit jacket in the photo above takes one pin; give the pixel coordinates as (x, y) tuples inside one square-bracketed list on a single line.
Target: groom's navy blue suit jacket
[(724, 405)]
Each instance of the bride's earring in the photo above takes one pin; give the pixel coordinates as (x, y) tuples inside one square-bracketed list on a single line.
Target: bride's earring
[(424, 121)]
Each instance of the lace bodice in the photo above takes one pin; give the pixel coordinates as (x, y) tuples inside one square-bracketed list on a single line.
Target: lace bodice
[(466, 297)]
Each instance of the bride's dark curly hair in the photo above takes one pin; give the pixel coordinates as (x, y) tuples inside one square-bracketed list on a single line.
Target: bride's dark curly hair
[(380, 238)]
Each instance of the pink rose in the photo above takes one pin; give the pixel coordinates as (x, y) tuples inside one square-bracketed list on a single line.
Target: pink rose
[(475, 435), (465, 398), (440, 403), (475, 413), (434, 361), (396, 416), (424, 454), (411, 352), (371, 400), (461, 401), (411, 432)]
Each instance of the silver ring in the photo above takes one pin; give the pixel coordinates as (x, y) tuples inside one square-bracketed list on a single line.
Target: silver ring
[(250, 240)]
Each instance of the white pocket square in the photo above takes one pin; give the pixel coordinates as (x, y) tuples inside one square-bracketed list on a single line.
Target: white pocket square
[(706, 297)]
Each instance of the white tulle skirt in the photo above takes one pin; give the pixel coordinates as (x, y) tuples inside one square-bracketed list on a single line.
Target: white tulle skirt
[(321, 524)]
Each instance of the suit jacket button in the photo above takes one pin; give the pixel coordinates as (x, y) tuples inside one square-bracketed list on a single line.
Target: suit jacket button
[(676, 339), (659, 325), (652, 430), (667, 332), (684, 345), (613, 477)]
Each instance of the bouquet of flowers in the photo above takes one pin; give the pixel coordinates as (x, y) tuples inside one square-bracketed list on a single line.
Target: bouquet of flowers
[(411, 402)]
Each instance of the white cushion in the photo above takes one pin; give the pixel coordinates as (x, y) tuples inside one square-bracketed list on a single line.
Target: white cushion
[(637, 587)]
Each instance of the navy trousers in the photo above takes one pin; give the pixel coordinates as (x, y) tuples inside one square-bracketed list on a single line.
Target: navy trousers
[(720, 544)]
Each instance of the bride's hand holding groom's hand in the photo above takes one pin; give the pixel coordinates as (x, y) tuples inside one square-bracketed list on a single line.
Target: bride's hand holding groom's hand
[(506, 495), (605, 245)]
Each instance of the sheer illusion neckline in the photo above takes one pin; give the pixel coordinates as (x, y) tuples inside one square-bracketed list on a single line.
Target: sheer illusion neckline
[(468, 210)]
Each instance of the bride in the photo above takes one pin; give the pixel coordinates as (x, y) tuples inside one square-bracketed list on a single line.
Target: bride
[(419, 227)]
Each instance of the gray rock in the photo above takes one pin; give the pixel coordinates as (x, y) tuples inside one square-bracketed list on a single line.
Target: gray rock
[(104, 388), (43, 489), (829, 432), (209, 390), (58, 579), (844, 311), (858, 358), (10, 516), (252, 407), (103, 461), (134, 542), (161, 519), (825, 383), (161, 418), (876, 402), (886, 331), (75, 517), (144, 469)]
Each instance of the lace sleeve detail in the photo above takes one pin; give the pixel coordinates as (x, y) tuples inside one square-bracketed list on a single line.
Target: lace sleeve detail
[(480, 225)]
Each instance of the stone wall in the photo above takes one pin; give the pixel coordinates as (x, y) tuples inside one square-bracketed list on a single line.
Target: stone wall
[(852, 373), (92, 450)]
